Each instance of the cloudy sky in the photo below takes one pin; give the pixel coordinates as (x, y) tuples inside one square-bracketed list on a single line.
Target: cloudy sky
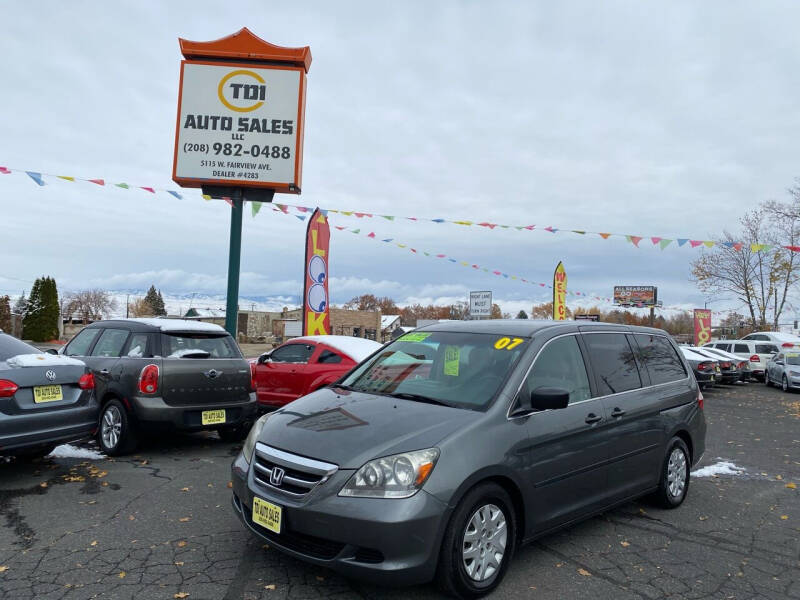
[(667, 119)]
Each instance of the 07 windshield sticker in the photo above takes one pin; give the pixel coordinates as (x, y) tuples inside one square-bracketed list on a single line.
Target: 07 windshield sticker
[(415, 337), (506, 343), (452, 354)]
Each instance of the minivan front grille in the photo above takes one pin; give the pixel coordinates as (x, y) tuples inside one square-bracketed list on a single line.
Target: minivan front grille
[(288, 473)]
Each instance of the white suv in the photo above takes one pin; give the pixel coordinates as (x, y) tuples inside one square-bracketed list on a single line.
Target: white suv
[(784, 340), (757, 352)]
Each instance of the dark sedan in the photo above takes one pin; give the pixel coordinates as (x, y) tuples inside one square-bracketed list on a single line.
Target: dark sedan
[(45, 400), (706, 370), (730, 370)]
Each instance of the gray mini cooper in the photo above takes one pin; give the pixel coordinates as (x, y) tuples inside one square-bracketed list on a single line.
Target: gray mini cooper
[(447, 449)]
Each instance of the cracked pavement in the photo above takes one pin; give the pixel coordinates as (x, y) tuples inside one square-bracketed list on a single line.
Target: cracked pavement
[(159, 525)]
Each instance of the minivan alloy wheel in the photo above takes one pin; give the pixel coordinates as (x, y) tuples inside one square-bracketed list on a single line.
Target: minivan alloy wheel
[(676, 473), (485, 540), (111, 426)]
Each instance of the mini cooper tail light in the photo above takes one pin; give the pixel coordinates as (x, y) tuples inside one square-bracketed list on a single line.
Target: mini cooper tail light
[(7, 388), (148, 380), (86, 382)]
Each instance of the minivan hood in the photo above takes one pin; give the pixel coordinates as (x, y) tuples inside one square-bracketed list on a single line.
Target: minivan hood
[(350, 428)]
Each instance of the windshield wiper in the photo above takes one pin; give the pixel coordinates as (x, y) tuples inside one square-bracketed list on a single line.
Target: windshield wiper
[(342, 386), (418, 398)]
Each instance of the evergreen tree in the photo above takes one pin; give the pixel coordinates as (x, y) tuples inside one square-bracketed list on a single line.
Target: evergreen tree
[(5, 314), (522, 315), (20, 305), (40, 322), (155, 301)]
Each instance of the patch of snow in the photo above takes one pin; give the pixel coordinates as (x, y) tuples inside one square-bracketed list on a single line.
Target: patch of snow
[(190, 353), (356, 348), (720, 468), (692, 355), (387, 320), (43, 360), (176, 325), (70, 451)]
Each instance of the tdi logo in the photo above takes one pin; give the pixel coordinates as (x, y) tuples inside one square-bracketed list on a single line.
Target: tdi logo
[(242, 90)]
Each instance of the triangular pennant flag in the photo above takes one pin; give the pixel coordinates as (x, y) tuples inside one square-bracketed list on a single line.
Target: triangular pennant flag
[(452, 260), (634, 239), (148, 189), (179, 197), (229, 201), (664, 243), (441, 255), (323, 212), (411, 218), (505, 275), (356, 231), (756, 247), (727, 244), (66, 177), (497, 272), (340, 228), (124, 186), (413, 250), (5, 171), (97, 181), (401, 245), (438, 220), (793, 248), (346, 212), (387, 240), (464, 264), (550, 229), (655, 240), (708, 244), (489, 225), (388, 217), (579, 232), (301, 217), (255, 207), (738, 246), (302, 209), (604, 235), (695, 243), (426, 254), (767, 247), (37, 177), (504, 226), (682, 241), (467, 223), (206, 197), (283, 208), (371, 234), (475, 267), (360, 215)]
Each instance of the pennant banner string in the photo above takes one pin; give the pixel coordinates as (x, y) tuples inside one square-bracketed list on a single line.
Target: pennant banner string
[(635, 240)]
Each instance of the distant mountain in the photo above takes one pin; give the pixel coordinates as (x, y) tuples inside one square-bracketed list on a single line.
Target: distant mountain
[(178, 304)]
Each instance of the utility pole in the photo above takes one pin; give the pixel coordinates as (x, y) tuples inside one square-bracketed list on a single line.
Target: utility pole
[(127, 305)]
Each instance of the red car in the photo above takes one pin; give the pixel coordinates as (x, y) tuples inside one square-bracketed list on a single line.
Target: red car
[(305, 364)]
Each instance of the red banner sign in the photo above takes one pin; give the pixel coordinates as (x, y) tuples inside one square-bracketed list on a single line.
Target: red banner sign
[(316, 306), (702, 326)]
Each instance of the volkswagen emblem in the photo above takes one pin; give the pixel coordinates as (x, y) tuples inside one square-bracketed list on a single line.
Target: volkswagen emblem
[(51, 375), (276, 477)]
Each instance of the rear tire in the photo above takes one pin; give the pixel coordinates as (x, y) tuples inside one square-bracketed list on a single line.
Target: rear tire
[(478, 543), (116, 433), (235, 433), (674, 483), (767, 382)]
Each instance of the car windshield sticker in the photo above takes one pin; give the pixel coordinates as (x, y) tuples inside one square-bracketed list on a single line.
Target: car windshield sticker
[(451, 359), (505, 343), (792, 355), (415, 337)]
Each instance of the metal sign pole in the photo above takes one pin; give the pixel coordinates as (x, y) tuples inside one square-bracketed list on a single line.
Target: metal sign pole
[(234, 263)]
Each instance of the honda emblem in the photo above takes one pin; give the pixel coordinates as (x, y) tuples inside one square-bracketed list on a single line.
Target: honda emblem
[(276, 477)]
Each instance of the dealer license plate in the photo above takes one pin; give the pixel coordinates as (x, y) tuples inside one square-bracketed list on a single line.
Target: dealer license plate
[(212, 417), (267, 514), (47, 393)]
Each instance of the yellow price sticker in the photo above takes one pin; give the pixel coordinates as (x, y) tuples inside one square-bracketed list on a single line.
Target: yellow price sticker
[(505, 343)]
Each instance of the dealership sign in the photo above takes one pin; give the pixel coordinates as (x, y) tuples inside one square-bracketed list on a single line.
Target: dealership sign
[(480, 304), (635, 295), (316, 307), (560, 293), (241, 123), (702, 326)]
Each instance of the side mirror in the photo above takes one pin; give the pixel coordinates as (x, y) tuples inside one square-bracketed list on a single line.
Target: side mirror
[(545, 398), (263, 358), (51, 351), (778, 362)]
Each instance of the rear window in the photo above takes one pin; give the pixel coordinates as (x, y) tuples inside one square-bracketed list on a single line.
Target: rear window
[(329, 357), (725, 347), (217, 346), (613, 362), (11, 346), (766, 349), (660, 359)]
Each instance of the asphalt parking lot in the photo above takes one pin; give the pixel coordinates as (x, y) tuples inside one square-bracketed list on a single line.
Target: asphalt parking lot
[(159, 525)]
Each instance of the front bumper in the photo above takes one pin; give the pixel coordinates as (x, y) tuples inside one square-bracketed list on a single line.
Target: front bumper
[(155, 410), (391, 542)]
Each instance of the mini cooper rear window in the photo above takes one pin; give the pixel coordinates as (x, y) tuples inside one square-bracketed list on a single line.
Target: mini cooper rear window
[(217, 346)]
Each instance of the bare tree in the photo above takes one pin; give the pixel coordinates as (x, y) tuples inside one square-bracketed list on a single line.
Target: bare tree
[(140, 308), (752, 266), (90, 305)]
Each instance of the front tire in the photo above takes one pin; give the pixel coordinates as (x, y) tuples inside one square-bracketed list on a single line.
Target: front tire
[(785, 384), (478, 543), (116, 433), (767, 382), (674, 483)]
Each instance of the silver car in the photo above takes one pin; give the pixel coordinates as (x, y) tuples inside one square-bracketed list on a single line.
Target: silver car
[(784, 369)]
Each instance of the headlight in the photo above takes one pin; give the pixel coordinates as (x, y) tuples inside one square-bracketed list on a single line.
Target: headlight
[(250, 442), (396, 476)]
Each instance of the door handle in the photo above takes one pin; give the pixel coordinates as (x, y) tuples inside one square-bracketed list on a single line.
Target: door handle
[(104, 372), (618, 412), (593, 418)]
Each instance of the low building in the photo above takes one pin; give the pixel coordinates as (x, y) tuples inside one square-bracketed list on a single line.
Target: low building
[(389, 324)]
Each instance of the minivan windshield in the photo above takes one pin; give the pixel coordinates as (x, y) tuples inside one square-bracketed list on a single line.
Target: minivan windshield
[(464, 370)]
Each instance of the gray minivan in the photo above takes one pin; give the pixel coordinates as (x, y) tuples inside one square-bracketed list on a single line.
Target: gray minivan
[(448, 448)]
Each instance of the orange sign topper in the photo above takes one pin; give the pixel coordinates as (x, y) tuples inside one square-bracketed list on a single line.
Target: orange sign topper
[(241, 114)]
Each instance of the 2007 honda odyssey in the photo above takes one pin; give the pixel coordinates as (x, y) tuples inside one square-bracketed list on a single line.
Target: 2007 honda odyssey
[(444, 451)]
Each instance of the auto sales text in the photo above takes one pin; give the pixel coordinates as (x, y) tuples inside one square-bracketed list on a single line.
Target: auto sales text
[(243, 124)]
